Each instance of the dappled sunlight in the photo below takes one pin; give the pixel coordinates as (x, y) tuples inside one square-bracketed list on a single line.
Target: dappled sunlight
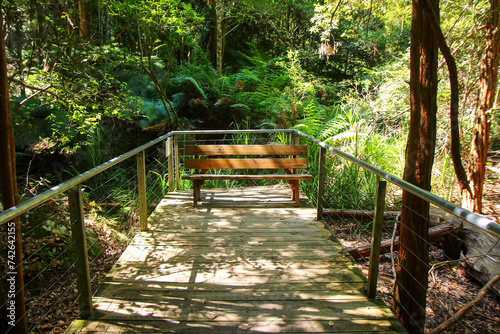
[(233, 269)]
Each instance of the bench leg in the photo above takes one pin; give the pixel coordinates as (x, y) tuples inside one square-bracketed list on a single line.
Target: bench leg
[(294, 185), (200, 185), (195, 193), (197, 184)]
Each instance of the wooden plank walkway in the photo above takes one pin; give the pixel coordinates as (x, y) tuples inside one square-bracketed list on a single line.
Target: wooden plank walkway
[(245, 260)]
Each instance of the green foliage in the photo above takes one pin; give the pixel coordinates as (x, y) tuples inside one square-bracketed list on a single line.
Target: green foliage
[(356, 100), (495, 130)]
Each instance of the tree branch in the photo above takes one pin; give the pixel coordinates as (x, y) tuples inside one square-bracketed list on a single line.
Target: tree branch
[(460, 172), (335, 11), (461, 313), (39, 90)]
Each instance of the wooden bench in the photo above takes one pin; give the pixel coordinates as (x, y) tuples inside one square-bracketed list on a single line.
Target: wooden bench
[(256, 157)]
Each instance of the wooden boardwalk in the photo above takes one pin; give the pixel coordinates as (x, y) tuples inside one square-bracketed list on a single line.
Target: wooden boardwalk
[(245, 260)]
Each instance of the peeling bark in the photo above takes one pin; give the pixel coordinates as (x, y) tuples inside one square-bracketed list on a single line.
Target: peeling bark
[(488, 82)]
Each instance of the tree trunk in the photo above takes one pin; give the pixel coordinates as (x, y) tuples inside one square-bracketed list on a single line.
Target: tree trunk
[(482, 120), (212, 35), (220, 35), (9, 187), (413, 265), (84, 13)]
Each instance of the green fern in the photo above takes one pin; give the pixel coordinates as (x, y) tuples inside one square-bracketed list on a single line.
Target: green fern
[(153, 112), (196, 87), (313, 119), (257, 59), (240, 105)]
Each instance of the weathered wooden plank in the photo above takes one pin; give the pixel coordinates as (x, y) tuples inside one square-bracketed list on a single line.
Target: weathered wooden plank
[(240, 242), (245, 268), (164, 253), (297, 163), (262, 197), (276, 325), (242, 234), (215, 277), (227, 289), (246, 150), (200, 309), (230, 230), (238, 295)]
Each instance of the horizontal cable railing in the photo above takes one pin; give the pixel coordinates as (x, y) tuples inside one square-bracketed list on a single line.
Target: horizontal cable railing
[(344, 189)]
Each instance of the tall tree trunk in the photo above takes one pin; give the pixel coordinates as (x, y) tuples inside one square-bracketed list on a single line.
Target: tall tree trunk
[(9, 186), (220, 35), (212, 38), (84, 13), (412, 271), (482, 120), (460, 172)]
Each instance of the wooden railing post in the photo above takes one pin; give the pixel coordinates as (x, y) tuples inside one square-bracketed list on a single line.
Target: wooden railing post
[(170, 155), (141, 184), (80, 248), (177, 161), (321, 183), (378, 219)]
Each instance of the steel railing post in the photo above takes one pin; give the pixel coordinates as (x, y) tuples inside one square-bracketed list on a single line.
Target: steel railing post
[(170, 155), (378, 219), (80, 248), (177, 161), (141, 184), (321, 184)]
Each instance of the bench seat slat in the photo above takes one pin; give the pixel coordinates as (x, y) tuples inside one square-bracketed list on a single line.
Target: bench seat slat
[(297, 163), (246, 150), (247, 177)]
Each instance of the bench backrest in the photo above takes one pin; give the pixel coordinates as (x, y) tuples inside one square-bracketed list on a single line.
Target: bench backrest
[(275, 157)]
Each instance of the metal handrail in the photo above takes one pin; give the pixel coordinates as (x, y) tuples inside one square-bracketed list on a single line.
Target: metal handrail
[(471, 217)]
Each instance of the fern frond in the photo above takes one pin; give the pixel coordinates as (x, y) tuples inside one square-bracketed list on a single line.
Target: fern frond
[(196, 86), (240, 105), (178, 99), (341, 137)]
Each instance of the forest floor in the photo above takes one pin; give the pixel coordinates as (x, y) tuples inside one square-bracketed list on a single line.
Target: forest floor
[(66, 299), (450, 286)]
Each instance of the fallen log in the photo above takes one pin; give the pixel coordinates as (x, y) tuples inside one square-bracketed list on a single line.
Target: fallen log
[(358, 214), (481, 255), (445, 234), (436, 216)]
